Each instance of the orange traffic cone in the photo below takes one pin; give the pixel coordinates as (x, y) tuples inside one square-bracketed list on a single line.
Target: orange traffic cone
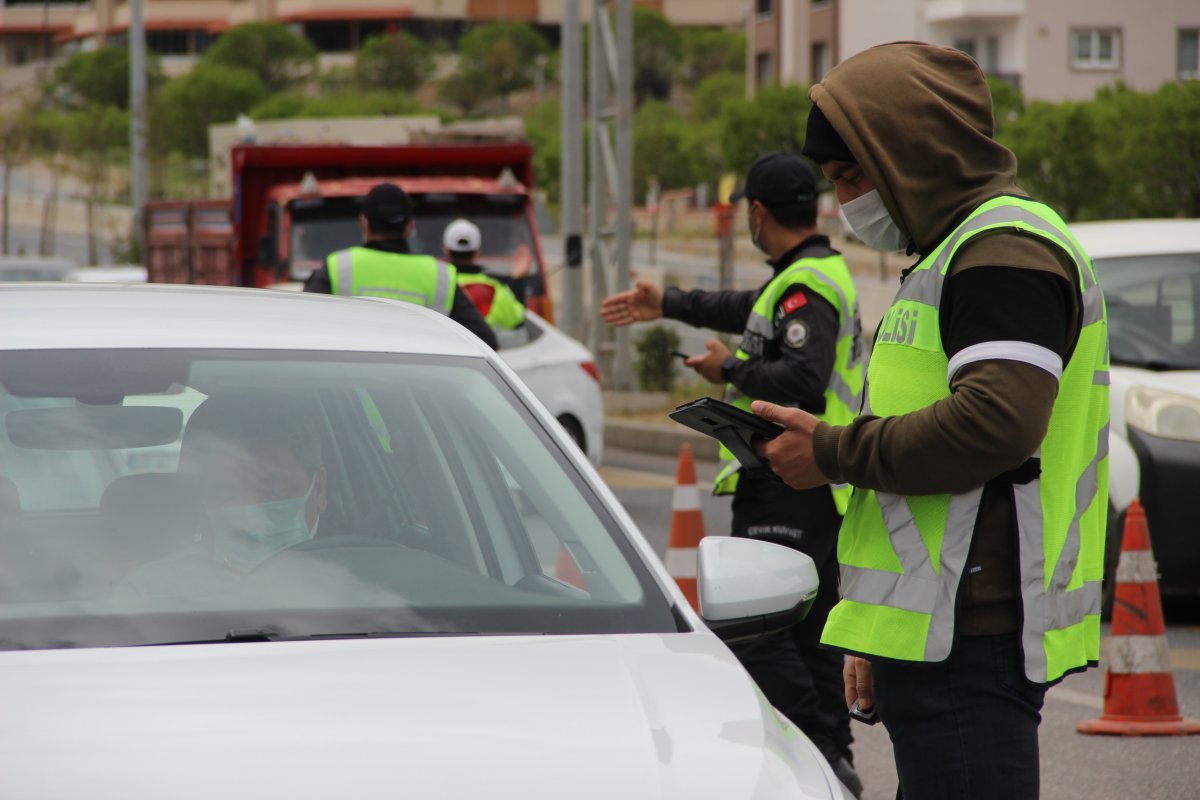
[(687, 526), (1139, 690), (567, 571)]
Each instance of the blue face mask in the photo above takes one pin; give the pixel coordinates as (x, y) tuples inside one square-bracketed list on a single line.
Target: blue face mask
[(246, 536)]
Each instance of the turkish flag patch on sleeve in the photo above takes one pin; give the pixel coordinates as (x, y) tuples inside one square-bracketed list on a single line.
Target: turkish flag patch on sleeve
[(797, 300)]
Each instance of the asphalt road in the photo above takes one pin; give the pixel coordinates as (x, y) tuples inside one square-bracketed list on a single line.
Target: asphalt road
[(1074, 766)]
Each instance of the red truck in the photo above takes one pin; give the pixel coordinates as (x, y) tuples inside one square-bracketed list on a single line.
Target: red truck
[(295, 204)]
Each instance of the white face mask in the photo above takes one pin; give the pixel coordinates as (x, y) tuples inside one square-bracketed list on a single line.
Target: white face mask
[(246, 536), (867, 216)]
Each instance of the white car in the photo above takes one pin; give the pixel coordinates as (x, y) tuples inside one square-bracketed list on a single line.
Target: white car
[(455, 607), (562, 374), (1150, 273)]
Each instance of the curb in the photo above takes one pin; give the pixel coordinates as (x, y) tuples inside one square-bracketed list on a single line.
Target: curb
[(657, 439)]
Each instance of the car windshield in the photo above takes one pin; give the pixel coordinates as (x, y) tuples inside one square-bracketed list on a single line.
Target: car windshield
[(1153, 304), (155, 496)]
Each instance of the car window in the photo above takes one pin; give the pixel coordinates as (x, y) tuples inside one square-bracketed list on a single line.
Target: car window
[(1153, 303), (171, 496)]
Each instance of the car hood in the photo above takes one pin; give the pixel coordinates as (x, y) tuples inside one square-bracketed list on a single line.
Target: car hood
[(497, 717)]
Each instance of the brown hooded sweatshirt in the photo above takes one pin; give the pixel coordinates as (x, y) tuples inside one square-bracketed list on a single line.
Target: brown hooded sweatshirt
[(918, 119)]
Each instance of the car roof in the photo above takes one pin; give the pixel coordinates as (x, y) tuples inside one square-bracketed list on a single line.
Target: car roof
[(1138, 237), (85, 316)]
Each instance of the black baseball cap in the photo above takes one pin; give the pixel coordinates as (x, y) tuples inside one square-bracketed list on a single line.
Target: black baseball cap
[(778, 179), (387, 204)]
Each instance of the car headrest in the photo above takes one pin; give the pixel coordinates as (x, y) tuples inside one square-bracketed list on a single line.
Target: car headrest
[(10, 498)]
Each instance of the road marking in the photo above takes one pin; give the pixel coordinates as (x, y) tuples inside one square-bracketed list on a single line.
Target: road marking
[(635, 479), (1188, 659)]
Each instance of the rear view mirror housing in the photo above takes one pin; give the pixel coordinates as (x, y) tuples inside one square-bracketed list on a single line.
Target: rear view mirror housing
[(749, 588)]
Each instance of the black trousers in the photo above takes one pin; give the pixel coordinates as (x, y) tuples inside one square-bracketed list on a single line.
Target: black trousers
[(966, 728), (799, 678)]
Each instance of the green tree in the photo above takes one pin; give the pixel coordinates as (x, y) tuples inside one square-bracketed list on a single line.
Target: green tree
[(655, 365), (348, 104), (1055, 144), (1149, 143), (99, 77), (773, 120), (209, 93), (1007, 103), (463, 92), (709, 51), (657, 52), (501, 57), (543, 127), (394, 61), (715, 93), (661, 148), (277, 56)]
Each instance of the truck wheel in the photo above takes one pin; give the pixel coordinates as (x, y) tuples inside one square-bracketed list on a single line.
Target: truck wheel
[(1112, 552)]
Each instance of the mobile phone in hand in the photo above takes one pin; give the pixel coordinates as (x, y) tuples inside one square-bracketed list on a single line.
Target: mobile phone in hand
[(680, 355), (868, 717)]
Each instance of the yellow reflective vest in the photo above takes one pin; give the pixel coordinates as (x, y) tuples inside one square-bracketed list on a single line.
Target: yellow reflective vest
[(902, 558)]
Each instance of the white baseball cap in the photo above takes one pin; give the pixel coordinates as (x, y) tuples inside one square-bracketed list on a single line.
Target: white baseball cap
[(461, 236)]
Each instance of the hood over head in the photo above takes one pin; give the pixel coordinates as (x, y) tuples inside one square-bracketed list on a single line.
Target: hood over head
[(918, 119)]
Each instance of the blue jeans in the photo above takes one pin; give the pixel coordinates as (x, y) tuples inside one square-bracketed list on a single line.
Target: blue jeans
[(964, 729)]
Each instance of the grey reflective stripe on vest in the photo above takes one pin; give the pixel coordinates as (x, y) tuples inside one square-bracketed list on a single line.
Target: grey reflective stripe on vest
[(842, 391), (342, 262), (444, 287), (1053, 607), (920, 588), (927, 289), (845, 313), (759, 324)]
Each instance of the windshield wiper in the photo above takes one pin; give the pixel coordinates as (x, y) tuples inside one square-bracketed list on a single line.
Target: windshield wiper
[(238, 635)]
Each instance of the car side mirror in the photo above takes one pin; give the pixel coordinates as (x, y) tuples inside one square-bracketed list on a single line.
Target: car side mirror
[(749, 588)]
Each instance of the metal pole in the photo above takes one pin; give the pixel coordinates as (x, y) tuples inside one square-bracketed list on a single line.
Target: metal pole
[(137, 113), (598, 194), (622, 369), (571, 170)]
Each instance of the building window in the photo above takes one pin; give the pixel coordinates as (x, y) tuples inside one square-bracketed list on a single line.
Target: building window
[(1096, 48), (763, 8), (1188, 55), (967, 46), (764, 70), (991, 55), (817, 5), (168, 43), (821, 61)]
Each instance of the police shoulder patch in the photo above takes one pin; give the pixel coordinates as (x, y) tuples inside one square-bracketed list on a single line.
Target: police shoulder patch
[(795, 334)]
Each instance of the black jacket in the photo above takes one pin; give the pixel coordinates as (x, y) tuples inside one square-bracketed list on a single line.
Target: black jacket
[(787, 372), (463, 311)]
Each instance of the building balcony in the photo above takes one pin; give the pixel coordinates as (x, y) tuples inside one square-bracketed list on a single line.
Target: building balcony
[(936, 11)]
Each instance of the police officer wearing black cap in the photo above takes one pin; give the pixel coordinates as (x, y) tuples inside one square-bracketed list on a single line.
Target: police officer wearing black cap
[(801, 346), (384, 266)]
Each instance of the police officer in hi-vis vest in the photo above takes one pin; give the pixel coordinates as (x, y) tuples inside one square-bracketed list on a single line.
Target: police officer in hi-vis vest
[(972, 550), (384, 266), (495, 297), (800, 347)]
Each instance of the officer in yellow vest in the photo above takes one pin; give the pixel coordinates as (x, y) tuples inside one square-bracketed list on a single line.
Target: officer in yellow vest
[(800, 347), (385, 266), (492, 295), (972, 550)]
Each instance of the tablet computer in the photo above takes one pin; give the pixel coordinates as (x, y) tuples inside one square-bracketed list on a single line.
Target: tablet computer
[(730, 425)]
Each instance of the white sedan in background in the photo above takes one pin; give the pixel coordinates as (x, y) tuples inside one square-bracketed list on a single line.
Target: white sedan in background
[(1150, 273), (453, 605)]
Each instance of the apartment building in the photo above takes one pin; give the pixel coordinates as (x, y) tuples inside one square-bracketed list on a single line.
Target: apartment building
[(32, 30), (1050, 49)]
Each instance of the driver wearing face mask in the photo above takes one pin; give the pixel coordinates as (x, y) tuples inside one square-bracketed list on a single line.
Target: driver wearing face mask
[(258, 469)]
